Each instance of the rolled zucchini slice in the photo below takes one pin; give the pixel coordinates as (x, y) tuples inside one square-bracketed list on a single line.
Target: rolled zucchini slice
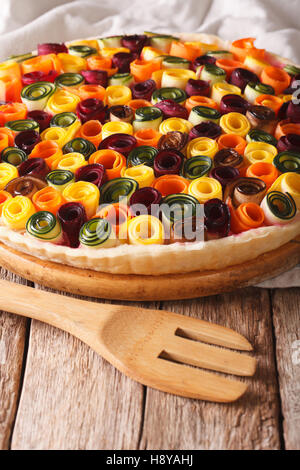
[(60, 179), (142, 155), (121, 79), (161, 42), (220, 54), (169, 93), (286, 161), (117, 190), (110, 41), (196, 167), (258, 135), (44, 226), (212, 73), (97, 233), (21, 125), (13, 155), (36, 95), (148, 117), (254, 90), (173, 62), (64, 120), (200, 114), (82, 50), (279, 208), (80, 145), (69, 79), (178, 207)]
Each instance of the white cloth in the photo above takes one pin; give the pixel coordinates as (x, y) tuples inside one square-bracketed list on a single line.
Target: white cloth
[(275, 24)]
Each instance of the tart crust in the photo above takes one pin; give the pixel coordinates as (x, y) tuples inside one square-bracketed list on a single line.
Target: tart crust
[(163, 259)]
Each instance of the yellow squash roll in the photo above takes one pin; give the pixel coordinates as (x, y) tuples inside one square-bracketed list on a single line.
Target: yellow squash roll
[(86, 193), (254, 64), (202, 146), (145, 230), (221, 89), (175, 124), (62, 101), (72, 161), (205, 188), (7, 173), (150, 53), (72, 129), (16, 212), (288, 183), (143, 174), (259, 152), (58, 134), (71, 63), (177, 78), (116, 127), (111, 51), (235, 123), (203, 46), (118, 95), (11, 68)]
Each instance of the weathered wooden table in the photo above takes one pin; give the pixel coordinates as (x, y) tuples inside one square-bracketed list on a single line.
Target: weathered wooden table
[(55, 393)]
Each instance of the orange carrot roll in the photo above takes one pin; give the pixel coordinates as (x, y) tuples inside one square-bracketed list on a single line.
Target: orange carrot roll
[(233, 141), (92, 131), (10, 88), (48, 199), (267, 172), (247, 216), (278, 78), (42, 63), (229, 65), (241, 47), (142, 70), (117, 214), (197, 100), (112, 161), (88, 91), (147, 137), (186, 51), (271, 101), (50, 151), (99, 63), (12, 112), (286, 127), (170, 184), (136, 104), (4, 196), (6, 138)]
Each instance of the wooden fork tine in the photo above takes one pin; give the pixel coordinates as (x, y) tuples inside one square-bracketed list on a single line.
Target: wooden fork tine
[(195, 383), (199, 330), (208, 357)]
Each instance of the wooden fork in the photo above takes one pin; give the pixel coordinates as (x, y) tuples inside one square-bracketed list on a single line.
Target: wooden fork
[(154, 347)]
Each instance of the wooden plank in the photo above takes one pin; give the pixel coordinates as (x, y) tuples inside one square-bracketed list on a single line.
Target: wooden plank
[(73, 399), (286, 318), (172, 422), (12, 342)]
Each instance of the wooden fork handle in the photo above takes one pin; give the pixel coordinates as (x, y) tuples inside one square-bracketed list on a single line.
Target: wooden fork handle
[(69, 314)]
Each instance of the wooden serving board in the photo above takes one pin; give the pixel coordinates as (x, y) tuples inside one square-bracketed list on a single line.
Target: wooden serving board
[(140, 287)]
